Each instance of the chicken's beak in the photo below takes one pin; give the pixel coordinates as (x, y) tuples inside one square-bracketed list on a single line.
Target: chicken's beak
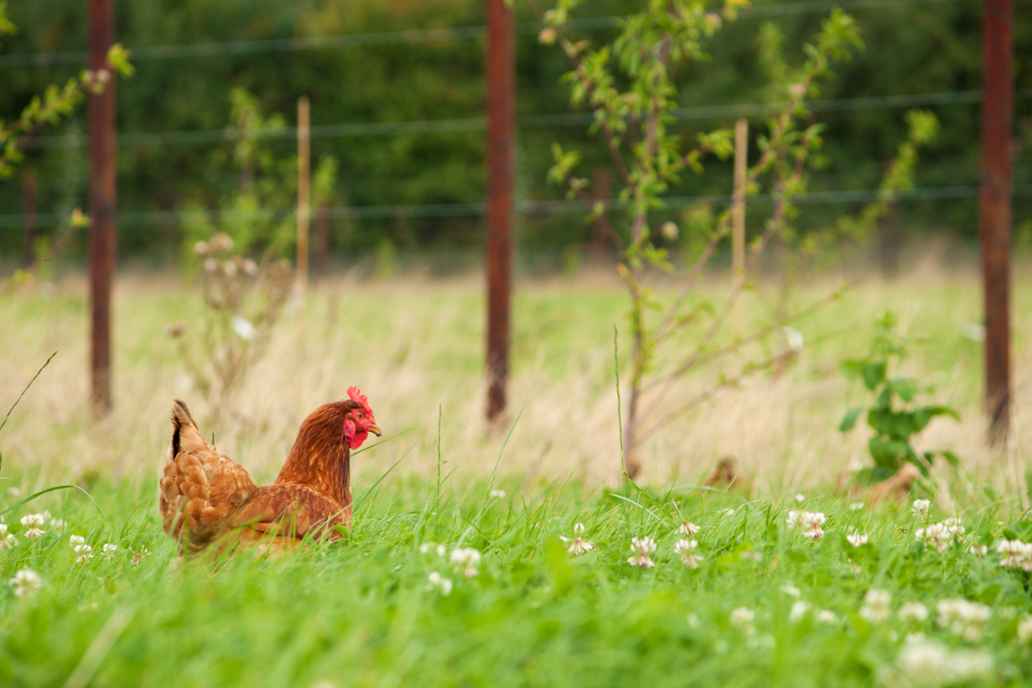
[(375, 429)]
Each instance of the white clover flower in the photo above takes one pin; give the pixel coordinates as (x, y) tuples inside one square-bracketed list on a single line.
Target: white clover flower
[(34, 533), (979, 550), (826, 616), (924, 662), (34, 520), (58, 524), (793, 519), (913, 611), (687, 550), (577, 545), (743, 618), (642, 549), (941, 535), (83, 553), (688, 529), (7, 540), (964, 618), (74, 540), (856, 506), (877, 605), (109, 550), (794, 338), (467, 559), (497, 494), (920, 507), (1025, 629), (1015, 554), (25, 582), (433, 548), (800, 498), (790, 590), (857, 539), (439, 582), (798, 611), (810, 522), (244, 328)]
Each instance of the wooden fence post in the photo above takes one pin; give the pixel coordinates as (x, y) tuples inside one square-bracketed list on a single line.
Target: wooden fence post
[(738, 200), (303, 189)]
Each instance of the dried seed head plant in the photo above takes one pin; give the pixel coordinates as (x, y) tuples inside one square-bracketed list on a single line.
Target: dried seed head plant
[(243, 302)]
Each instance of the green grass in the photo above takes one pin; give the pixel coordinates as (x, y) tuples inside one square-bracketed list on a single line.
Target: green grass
[(361, 612)]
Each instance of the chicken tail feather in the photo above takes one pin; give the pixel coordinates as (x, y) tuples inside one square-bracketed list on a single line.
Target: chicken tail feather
[(186, 436)]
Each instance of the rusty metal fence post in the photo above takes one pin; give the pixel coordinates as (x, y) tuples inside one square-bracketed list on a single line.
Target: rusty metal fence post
[(102, 149), (501, 109), (995, 210)]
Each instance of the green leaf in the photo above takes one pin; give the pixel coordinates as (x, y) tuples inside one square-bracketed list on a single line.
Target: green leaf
[(905, 388), (874, 374), (853, 367), (924, 415), (888, 453), (849, 420), (894, 424), (873, 474)]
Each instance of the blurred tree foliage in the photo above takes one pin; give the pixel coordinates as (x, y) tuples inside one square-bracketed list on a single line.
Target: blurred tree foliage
[(383, 76)]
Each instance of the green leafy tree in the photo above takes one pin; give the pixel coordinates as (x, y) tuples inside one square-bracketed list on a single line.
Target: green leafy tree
[(57, 102), (632, 87)]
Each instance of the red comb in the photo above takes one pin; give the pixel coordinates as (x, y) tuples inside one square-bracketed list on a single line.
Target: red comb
[(355, 394)]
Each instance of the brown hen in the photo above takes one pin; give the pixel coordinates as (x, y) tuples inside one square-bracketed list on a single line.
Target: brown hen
[(206, 496)]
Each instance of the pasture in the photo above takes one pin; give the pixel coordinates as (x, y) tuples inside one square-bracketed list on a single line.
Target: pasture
[(757, 597)]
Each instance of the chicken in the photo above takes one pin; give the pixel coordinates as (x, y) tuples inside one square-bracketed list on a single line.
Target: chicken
[(205, 495)]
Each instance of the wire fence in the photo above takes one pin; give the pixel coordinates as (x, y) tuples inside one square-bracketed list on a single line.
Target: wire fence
[(476, 122), (529, 208), (416, 36)]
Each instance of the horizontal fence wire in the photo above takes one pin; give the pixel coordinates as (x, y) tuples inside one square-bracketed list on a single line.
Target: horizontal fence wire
[(530, 208), (478, 123), (416, 36)]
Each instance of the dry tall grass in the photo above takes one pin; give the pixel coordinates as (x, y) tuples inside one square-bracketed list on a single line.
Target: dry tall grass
[(415, 348)]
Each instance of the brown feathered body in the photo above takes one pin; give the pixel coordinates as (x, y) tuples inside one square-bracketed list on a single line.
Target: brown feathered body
[(205, 496)]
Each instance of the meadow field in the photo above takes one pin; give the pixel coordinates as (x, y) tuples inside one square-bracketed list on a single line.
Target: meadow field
[(852, 593)]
